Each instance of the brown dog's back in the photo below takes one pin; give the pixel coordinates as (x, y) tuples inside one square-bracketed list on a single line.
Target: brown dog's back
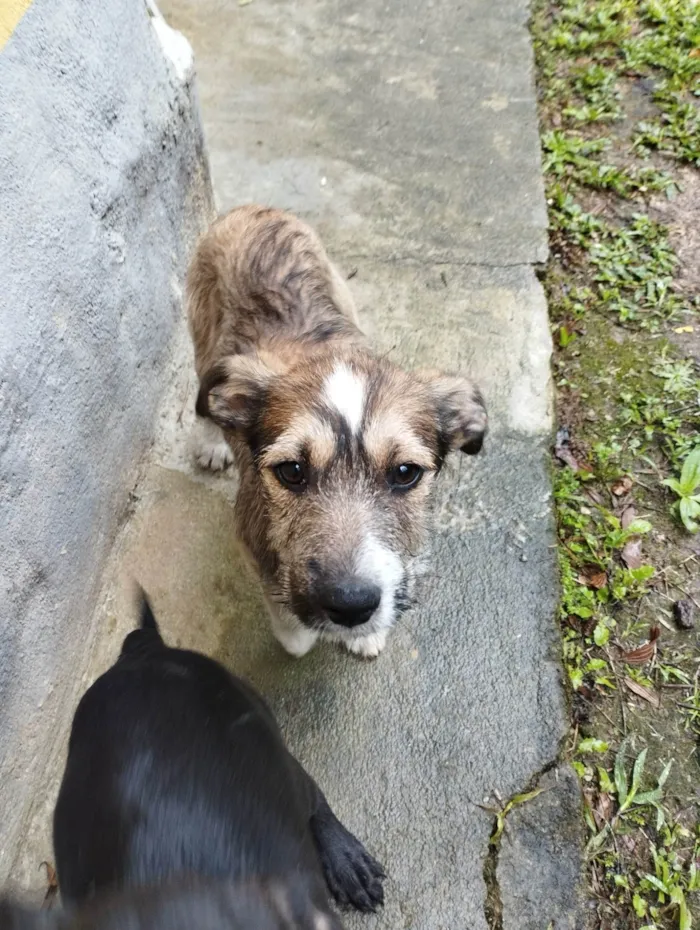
[(260, 281)]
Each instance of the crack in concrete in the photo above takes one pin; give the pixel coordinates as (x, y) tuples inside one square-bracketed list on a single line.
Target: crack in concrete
[(493, 901), (439, 262)]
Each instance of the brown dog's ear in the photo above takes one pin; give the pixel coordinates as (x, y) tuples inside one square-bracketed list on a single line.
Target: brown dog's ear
[(462, 419), (232, 391)]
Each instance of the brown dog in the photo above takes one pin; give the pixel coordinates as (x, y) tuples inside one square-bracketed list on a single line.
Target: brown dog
[(337, 449)]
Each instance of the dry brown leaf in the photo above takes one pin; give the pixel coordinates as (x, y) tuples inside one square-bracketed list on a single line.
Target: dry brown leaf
[(52, 889), (592, 577), (597, 580), (585, 627), (565, 455), (629, 515), (639, 656), (598, 888), (694, 53), (594, 496), (641, 691), (603, 809), (632, 553), (622, 486), (562, 450), (644, 653)]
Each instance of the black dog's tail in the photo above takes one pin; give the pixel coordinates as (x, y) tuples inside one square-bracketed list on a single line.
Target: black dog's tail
[(147, 638), (148, 621)]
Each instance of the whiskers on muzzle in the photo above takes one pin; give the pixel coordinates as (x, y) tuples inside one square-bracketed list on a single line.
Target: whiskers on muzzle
[(368, 598)]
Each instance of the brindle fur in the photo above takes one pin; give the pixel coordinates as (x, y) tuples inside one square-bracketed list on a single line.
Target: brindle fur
[(272, 321)]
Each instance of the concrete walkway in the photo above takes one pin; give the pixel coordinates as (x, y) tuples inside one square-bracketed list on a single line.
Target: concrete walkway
[(406, 134)]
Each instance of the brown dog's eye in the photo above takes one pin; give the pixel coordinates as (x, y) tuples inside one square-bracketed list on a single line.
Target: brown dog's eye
[(403, 477), (292, 475)]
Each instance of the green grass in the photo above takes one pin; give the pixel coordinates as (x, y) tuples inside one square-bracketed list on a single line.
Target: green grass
[(632, 265), (634, 402), (572, 156)]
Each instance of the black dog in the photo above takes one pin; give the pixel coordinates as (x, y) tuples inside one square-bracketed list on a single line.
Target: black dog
[(201, 904), (177, 768)]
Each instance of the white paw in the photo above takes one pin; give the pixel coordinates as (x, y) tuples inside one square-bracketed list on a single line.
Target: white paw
[(215, 458), (293, 636), (211, 449), (369, 646), (296, 642)]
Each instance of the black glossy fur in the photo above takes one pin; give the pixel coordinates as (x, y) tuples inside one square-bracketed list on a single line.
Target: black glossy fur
[(175, 767)]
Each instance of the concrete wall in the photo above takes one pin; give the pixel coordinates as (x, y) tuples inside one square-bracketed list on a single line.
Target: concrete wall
[(103, 188)]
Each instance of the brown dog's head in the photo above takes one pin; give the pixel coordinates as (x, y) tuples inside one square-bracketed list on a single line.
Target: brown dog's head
[(343, 454)]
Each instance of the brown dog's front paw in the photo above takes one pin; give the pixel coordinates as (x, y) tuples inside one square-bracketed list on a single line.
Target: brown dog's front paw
[(368, 647)]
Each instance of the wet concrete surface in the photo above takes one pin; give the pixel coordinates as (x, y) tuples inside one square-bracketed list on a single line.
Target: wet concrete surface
[(407, 135)]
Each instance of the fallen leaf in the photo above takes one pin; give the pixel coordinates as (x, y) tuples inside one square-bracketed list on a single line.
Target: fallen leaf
[(622, 486), (632, 553), (598, 887), (694, 53), (644, 653), (52, 889), (562, 450), (683, 614), (683, 329), (567, 457), (584, 627), (603, 809), (629, 515), (244, 2), (594, 496), (643, 692), (639, 656), (592, 577)]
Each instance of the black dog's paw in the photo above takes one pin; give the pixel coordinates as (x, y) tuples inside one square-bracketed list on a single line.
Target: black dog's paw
[(353, 876)]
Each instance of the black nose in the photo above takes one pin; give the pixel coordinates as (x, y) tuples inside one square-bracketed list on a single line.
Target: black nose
[(349, 602)]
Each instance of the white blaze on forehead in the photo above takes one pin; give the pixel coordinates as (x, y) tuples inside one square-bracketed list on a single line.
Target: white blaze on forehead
[(344, 391)]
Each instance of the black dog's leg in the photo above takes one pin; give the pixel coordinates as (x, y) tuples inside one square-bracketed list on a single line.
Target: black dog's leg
[(352, 875)]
